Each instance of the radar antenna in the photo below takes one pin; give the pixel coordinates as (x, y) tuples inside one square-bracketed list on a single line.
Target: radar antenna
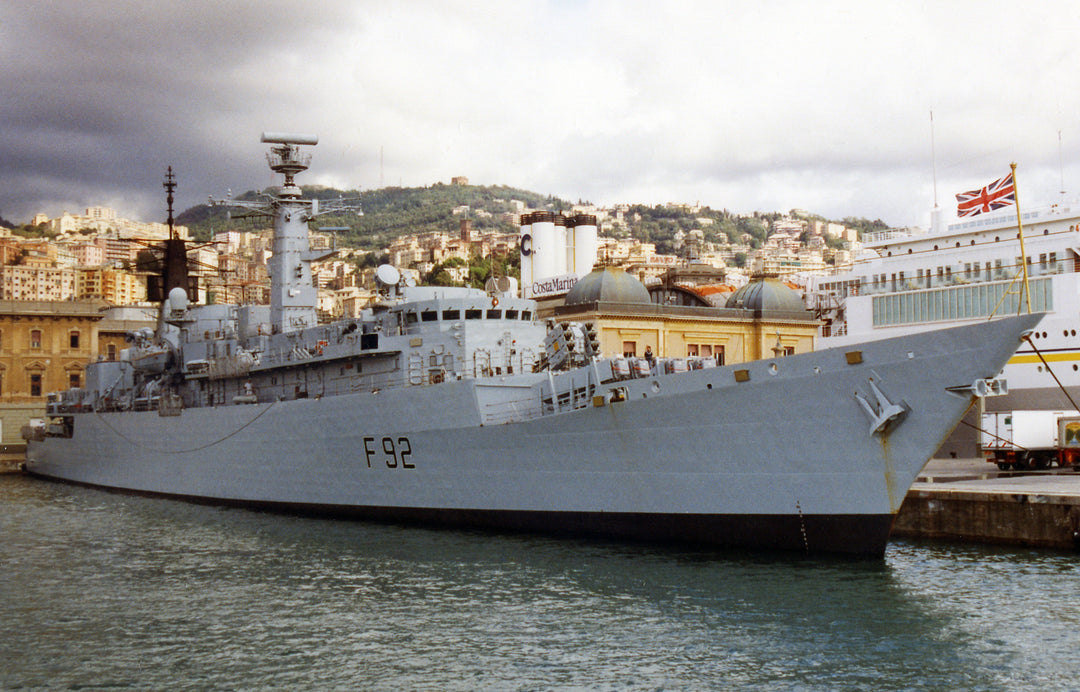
[(287, 159)]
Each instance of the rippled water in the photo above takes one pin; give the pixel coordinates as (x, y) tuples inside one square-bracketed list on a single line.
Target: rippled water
[(109, 591)]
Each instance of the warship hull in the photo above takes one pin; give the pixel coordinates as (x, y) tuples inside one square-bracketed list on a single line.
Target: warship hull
[(812, 452)]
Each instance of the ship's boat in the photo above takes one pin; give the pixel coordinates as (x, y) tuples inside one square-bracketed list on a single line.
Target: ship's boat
[(456, 406)]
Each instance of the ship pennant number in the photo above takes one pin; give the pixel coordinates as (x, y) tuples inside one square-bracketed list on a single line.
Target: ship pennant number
[(395, 452)]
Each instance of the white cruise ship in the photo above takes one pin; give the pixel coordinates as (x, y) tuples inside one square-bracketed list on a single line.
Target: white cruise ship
[(964, 272)]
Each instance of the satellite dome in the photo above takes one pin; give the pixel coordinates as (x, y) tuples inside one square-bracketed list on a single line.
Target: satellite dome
[(608, 285), (766, 294)]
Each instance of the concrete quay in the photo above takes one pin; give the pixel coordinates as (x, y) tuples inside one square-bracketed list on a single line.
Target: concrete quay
[(12, 457), (970, 500)]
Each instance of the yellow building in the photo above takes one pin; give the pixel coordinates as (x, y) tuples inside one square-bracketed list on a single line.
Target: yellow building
[(115, 286), (44, 347), (764, 319)]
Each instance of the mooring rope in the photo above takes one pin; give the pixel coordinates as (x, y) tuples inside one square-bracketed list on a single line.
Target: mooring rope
[(182, 451), (1027, 338), (984, 430)]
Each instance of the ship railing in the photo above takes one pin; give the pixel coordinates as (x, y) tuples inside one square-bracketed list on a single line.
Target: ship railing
[(569, 400), (516, 411), (834, 329)]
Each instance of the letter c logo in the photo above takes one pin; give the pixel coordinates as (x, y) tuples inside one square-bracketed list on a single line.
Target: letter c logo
[(526, 244)]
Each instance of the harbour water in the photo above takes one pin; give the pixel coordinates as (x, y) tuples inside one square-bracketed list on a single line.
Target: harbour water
[(99, 590)]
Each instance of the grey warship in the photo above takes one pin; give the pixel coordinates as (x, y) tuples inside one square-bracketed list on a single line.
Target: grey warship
[(457, 407)]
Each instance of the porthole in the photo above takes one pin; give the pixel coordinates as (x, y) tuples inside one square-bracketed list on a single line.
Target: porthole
[(909, 251), (973, 241), (772, 368), (958, 243)]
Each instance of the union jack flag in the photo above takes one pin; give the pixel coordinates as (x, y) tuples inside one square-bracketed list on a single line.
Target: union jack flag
[(998, 194)]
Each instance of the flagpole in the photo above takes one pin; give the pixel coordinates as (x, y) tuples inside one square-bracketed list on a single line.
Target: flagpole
[(1020, 232)]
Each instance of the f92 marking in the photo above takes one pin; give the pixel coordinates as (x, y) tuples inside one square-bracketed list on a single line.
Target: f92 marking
[(396, 452)]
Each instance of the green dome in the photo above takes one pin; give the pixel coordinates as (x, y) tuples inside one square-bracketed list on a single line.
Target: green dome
[(608, 285), (765, 294)]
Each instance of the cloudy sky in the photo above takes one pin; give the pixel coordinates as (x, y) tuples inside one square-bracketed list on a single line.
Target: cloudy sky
[(751, 105)]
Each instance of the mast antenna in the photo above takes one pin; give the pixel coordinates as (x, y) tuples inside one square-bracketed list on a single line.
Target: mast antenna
[(170, 187), (933, 157), (1061, 164)]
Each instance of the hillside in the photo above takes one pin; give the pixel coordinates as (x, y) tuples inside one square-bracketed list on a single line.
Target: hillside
[(393, 211)]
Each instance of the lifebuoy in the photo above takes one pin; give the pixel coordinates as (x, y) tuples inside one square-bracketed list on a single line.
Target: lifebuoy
[(494, 301)]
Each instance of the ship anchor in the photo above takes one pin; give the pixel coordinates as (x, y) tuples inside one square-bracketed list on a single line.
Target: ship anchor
[(883, 413)]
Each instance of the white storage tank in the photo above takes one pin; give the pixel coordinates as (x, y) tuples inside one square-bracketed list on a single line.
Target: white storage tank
[(585, 245), (543, 245), (525, 244), (558, 255)]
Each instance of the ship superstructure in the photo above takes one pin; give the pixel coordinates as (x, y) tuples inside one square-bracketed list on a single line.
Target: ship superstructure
[(456, 406)]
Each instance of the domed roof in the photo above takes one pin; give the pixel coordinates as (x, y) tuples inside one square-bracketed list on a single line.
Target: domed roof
[(609, 285), (766, 294)]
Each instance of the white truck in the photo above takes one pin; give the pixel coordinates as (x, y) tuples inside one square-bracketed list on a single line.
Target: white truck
[(1031, 439)]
